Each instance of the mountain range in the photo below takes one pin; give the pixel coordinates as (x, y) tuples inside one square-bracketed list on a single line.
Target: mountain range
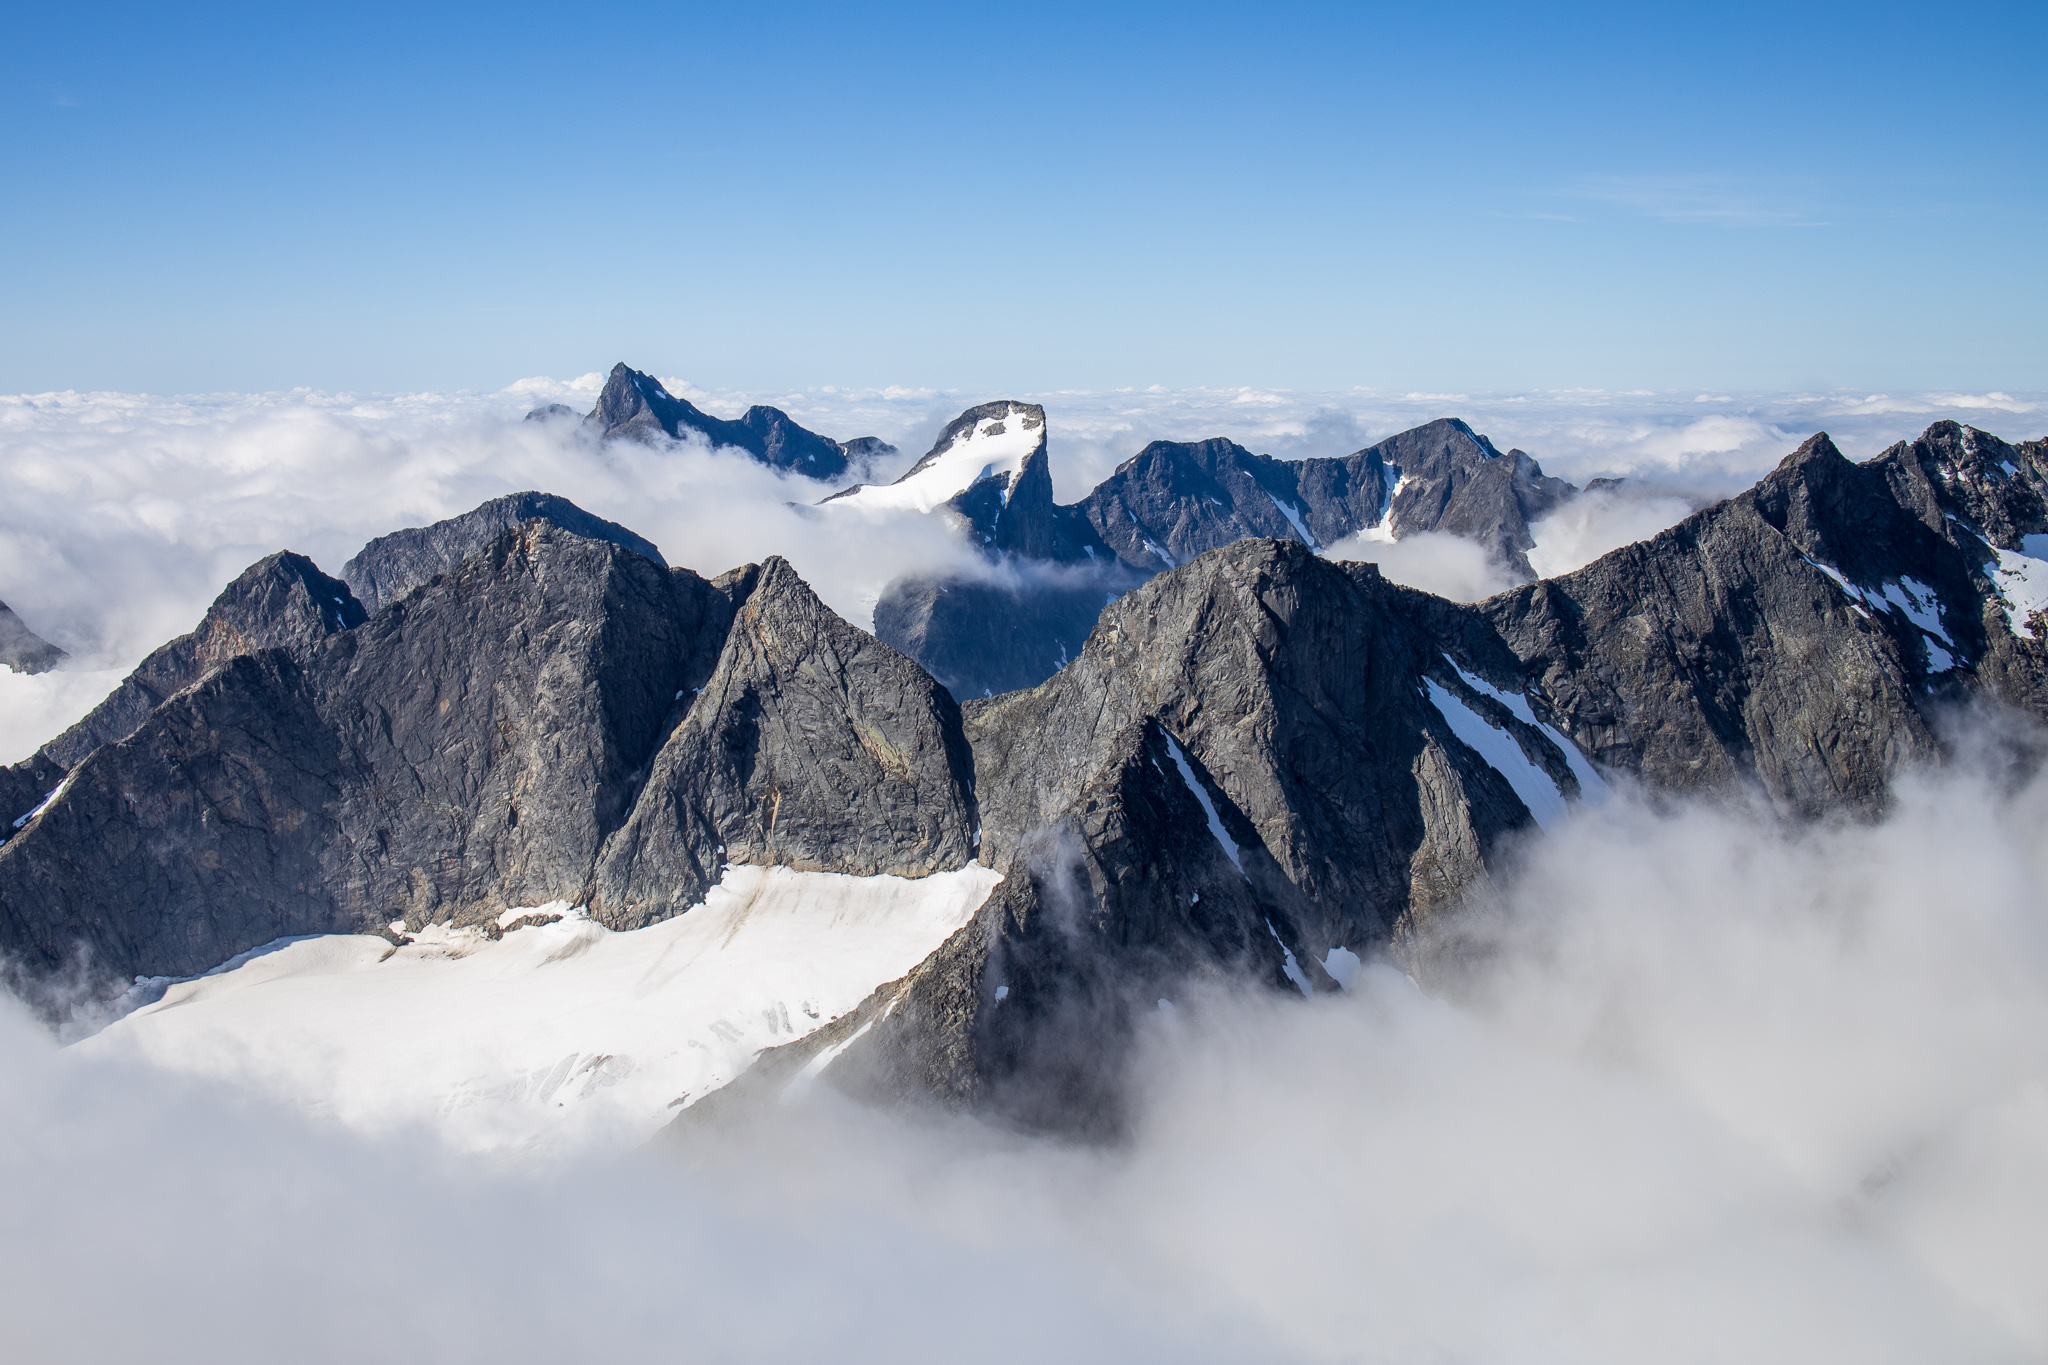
[(523, 729)]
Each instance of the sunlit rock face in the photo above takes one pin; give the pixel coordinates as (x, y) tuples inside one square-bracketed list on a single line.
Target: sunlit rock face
[(1258, 766)]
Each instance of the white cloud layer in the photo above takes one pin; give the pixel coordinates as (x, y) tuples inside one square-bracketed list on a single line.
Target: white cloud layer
[(1707, 1089), (123, 515)]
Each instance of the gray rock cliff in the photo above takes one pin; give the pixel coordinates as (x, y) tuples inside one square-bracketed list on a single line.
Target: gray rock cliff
[(635, 406), (391, 566), (21, 649)]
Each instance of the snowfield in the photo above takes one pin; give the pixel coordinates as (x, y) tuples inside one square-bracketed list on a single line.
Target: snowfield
[(560, 1035), (995, 446)]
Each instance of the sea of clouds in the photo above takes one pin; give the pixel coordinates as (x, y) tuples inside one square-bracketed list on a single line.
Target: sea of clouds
[(1699, 1087), (124, 515)]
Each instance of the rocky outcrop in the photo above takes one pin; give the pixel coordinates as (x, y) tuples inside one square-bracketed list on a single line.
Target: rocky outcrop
[(1174, 501), (1450, 479), (21, 649), (556, 718), (1791, 640), (811, 745), (474, 741), (1256, 759), (391, 566), (635, 406), (1243, 770), (280, 602)]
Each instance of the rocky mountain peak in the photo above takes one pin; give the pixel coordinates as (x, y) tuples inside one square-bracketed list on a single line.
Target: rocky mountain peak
[(21, 649), (393, 565), (635, 406), (282, 602)]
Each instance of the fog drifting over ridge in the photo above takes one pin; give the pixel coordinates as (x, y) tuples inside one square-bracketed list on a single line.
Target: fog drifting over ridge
[(1692, 1086), (125, 515), (1698, 1087)]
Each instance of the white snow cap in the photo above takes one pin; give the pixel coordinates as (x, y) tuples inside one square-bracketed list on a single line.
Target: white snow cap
[(996, 443)]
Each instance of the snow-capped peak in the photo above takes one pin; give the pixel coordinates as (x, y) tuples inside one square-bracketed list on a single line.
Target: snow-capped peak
[(995, 444)]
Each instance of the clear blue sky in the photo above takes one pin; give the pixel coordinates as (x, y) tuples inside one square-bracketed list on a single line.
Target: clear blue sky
[(1450, 197)]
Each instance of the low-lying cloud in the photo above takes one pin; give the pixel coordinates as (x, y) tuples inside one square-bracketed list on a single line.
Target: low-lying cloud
[(124, 515), (1447, 565), (1696, 1086)]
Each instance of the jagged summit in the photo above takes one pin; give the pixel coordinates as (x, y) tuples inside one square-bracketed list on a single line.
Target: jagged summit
[(1260, 765), (635, 406), (988, 467), (391, 566), (1166, 505), (21, 649)]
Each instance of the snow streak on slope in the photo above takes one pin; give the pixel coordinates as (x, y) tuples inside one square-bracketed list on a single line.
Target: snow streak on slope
[(2022, 580), (1500, 751), (1592, 786), (560, 1034), (994, 447)]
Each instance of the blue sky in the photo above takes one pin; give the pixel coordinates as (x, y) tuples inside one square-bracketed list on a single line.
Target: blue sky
[(1473, 197)]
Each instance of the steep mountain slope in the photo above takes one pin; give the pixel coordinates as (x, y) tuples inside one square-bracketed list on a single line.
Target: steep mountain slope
[(1175, 500), (21, 649), (280, 602), (391, 566), (1261, 767), (811, 745), (1168, 504), (635, 406)]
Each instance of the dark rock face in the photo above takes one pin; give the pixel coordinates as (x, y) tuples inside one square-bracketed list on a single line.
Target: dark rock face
[(476, 740), (556, 718), (1448, 478), (812, 745), (980, 638), (201, 835), (498, 722), (391, 566), (1256, 757), (1722, 654), (553, 412), (1241, 771), (635, 406), (1176, 500), (21, 649), (282, 602)]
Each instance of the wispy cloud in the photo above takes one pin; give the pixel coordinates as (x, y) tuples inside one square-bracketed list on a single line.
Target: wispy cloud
[(1711, 200)]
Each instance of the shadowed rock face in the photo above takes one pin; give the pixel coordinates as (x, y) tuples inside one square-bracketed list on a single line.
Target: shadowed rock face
[(1174, 501), (635, 406), (1257, 757), (21, 649), (391, 566), (812, 745), (984, 638), (1721, 654), (475, 741), (556, 718)]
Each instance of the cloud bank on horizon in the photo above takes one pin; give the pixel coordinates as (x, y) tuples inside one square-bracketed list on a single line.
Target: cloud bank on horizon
[(126, 514), (1701, 1087)]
